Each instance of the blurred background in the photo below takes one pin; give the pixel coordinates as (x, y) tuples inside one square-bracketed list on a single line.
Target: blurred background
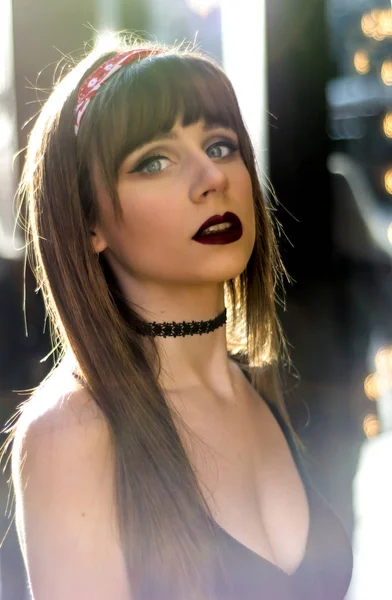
[(314, 79)]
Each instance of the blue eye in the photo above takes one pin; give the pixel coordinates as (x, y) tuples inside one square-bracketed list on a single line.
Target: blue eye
[(152, 164), (222, 149)]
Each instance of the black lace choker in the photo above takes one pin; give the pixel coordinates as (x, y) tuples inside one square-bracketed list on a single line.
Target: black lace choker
[(183, 328)]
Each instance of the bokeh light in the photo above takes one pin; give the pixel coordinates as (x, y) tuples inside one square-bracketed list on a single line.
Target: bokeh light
[(368, 25), (388, 181), (383, 359), (371, 426), (377, 24), (362, 62), (371, 386), (386, 72), (385, 22), (387, 125)]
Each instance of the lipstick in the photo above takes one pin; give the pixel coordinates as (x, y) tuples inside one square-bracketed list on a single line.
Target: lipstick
[(219, 229)]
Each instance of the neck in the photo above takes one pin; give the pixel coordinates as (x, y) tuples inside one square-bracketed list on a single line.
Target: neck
[(191, 361), (195, 361)]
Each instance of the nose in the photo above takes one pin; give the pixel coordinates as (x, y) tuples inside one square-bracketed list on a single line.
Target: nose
[(207, 177)]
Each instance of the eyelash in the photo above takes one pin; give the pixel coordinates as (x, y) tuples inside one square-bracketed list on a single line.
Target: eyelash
[(231, 145)]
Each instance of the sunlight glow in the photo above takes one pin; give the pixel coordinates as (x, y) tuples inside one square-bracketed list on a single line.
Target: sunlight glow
[(390, 233), (8, 135), (383, 359), (244, 60), (203, 7)]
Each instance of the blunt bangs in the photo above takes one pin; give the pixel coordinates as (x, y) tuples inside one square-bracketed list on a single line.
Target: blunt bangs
[(147, 98)]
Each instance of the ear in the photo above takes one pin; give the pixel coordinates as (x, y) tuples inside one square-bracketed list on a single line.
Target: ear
[(98, 240)]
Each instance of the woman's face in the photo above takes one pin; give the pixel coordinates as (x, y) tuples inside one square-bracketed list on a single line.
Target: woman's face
[(167, 189)]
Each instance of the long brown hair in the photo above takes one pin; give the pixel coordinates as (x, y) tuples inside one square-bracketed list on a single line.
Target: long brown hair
[(163, 519)]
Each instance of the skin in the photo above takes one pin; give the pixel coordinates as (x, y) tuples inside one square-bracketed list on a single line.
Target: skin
[(160, 269)]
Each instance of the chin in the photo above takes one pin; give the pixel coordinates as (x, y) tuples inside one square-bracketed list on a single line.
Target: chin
[(225, 268), (235, 263)]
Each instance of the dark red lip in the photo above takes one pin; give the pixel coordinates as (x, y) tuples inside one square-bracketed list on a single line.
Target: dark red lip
[(228, 217), (220, 237)]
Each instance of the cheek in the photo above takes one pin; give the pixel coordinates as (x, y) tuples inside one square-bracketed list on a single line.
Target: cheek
[(153, 213), (153, 223)]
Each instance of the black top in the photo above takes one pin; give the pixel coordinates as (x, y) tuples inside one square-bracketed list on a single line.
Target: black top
[(326, 568)]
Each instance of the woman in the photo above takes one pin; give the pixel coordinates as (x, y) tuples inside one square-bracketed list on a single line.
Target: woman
[(150, 464)]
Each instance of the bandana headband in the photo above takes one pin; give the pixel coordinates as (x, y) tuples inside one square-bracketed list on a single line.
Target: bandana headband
[(92, 84)]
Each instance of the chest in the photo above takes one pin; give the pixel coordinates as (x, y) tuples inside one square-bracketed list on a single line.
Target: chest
[(249, 479)]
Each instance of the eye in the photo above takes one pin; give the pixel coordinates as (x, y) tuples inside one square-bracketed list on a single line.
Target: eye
[(222, 149), (151, 165)]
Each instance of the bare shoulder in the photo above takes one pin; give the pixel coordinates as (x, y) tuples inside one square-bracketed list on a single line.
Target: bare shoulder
[(55, 425), (61, 402), (63, 477)]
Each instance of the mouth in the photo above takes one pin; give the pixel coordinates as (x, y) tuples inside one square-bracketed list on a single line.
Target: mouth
[(219, 230)]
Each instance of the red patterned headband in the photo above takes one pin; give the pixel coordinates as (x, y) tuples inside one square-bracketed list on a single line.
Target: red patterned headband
[(100, 75)]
